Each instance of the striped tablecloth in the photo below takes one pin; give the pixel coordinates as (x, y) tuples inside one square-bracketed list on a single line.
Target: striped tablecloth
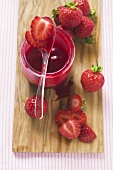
[(8, 53)]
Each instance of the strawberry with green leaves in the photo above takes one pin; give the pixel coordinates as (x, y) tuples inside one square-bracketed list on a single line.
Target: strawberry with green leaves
[(92, 80), (69, 15), (55, 13)]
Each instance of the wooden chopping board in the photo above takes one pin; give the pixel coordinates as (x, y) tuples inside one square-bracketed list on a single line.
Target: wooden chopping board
[(30, 135)]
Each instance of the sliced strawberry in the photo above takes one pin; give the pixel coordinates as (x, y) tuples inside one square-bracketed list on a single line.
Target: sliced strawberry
[(34, 43), (86, 134), (48, 19), (81, 117), (70, 129), (30, 39), (74, 103), (41, 28), (62, 116), (30, 106)]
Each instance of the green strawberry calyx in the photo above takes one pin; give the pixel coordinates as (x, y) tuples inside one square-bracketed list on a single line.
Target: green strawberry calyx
[(89, 40), (83, 104), (55, 13), (71, 5), (92, 13), (96, 68)]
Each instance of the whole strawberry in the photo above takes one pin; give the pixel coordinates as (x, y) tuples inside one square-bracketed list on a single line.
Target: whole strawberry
[(92, 80), (70, 16), (85, 28), (55, 13), (86, 134), (83, 5), (30, 106), (56, 20)]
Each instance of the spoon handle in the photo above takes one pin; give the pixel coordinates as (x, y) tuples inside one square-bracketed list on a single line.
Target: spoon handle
[(40, 89)]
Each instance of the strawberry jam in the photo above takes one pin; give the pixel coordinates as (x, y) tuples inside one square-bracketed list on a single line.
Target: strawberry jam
[(60, 60), (57, 59)]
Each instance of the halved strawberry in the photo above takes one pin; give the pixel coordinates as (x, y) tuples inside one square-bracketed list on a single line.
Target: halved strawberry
[(81, 117), (70, 129), (62, 116), (48, 19), (34, 43), (75, 102), (86, 134), (41, 28), (30, 106)]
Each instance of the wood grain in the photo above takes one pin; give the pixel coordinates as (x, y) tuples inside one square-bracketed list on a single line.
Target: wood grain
[(31, 135)]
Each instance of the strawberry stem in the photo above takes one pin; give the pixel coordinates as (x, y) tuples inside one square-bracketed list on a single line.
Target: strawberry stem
[(96, 68), (83, 104), (71, 5), (55, 13), (92, 13), (89, 40)]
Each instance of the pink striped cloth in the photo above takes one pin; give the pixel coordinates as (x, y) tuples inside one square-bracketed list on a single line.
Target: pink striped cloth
[(28, 161)]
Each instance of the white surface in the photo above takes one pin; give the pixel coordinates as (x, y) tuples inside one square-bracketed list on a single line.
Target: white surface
[(11, 161)]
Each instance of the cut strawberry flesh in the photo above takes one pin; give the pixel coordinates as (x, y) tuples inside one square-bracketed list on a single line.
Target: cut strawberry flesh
[(30, 39), (32, 42), (62, 116), (81, 117), (41, 28), (48, 19), (70, 129)]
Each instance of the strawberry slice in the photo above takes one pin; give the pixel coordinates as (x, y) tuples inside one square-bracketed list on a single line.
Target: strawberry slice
[(41, 28), (34, 43), (74, 103), (70, 129), (86, 134), (48, 19), (81, 117), (30, 106), (62, 116)]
